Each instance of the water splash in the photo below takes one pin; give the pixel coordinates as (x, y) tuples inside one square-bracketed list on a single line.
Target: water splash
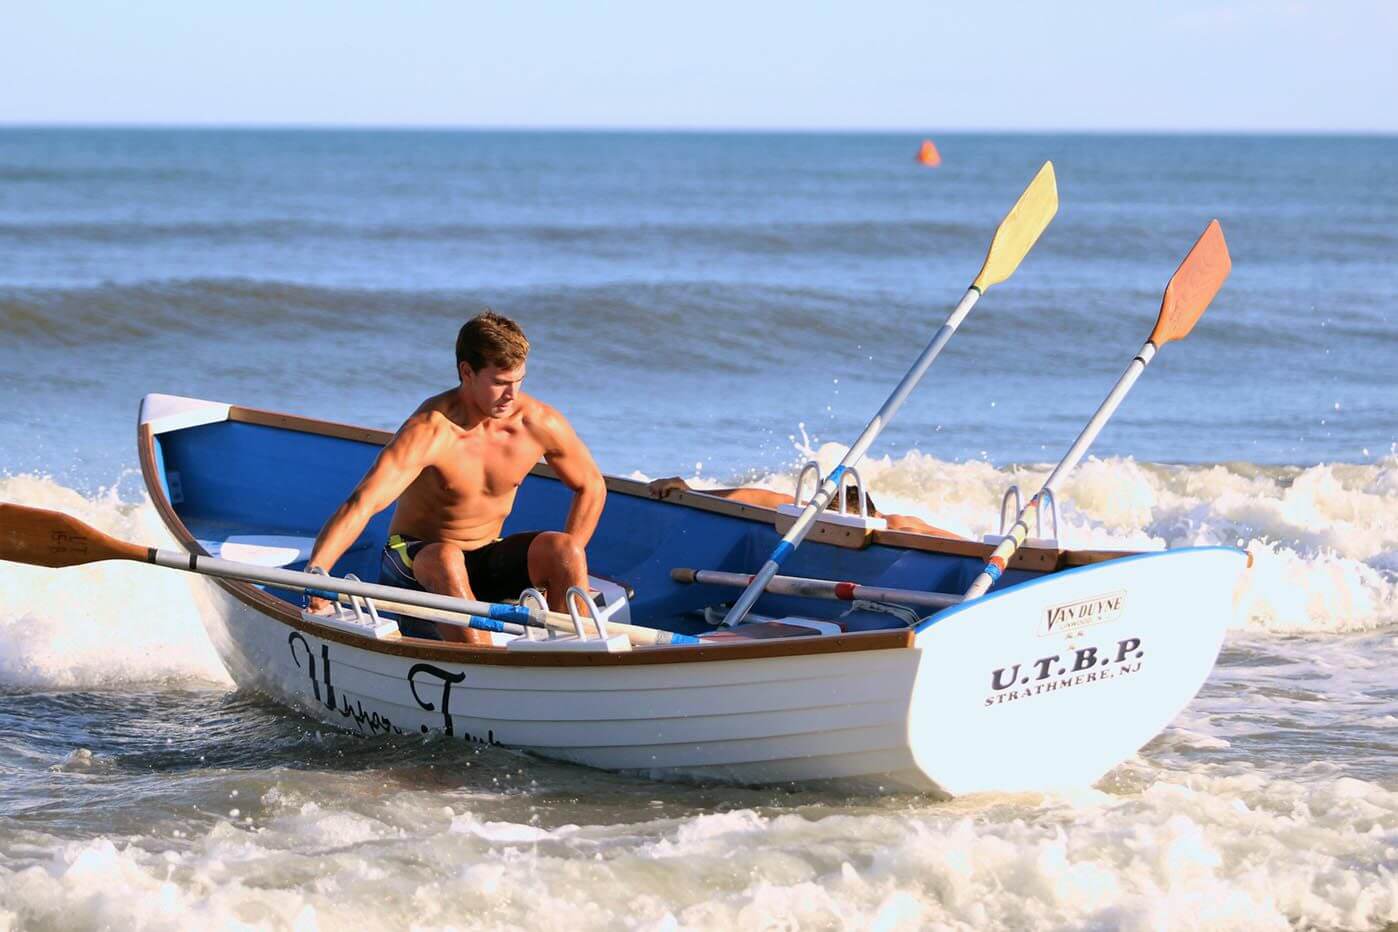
[(102, 624), (1324, 538)]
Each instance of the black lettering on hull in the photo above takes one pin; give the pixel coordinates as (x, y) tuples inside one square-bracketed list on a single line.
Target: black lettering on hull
[(369, 721), (448, 680), (1109, 665)]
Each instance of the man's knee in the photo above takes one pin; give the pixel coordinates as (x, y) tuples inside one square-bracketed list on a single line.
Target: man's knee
[(438, 565), (555, 550)]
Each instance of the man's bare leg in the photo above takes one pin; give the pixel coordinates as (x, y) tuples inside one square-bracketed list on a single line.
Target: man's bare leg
[(441, 568), (556, 562)]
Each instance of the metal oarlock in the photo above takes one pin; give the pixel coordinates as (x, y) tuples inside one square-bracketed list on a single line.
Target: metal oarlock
[(353, 613), (359, 606), (314, 571), (850, 472), (1007, 515), (572, 596), (811, 466), (534, 596), (1046, 495), (603, 642), (368, 604)]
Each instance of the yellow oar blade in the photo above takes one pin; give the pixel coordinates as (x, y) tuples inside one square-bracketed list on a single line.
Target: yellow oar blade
[(1193, 286), (1020, 229), (50, 538)]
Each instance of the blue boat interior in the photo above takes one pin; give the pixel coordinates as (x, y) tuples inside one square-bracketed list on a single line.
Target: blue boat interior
[(232, 478)]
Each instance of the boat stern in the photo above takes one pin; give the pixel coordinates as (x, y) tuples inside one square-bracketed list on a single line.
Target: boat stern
[(1055, 681)]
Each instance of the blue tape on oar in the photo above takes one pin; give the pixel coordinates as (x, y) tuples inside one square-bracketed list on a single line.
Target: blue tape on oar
[(323, 594), (835, 476), (486, 624), (992, 571), (782, 551), (516, 613)]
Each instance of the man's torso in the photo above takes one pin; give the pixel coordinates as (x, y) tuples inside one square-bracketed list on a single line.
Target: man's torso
[(465, 493)]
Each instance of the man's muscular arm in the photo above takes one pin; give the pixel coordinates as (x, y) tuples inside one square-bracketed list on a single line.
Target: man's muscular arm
[(570, 458), (397, 465), (918, 526), (763, 498)]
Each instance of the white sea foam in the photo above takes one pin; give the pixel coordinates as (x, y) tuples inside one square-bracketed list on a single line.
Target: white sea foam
[(101, 624), (1200, 831), (1324, 538), (1216, 847)]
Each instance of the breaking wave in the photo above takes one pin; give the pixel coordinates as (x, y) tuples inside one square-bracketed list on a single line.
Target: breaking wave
[(1202, 850), (1324, 538), (103, 624), (1324, 541)]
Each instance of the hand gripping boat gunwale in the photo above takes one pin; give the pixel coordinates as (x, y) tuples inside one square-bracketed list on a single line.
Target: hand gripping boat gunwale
[(1069, 665)]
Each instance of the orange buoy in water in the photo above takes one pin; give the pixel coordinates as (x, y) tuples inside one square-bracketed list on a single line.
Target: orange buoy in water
[(928, 154)]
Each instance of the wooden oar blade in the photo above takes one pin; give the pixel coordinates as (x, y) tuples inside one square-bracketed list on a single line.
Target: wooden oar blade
[(1020, 229), (53, 539), (1193, 286)]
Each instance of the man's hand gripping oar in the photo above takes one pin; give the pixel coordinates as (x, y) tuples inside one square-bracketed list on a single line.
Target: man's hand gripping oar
[(1187, 295), (50, 538), (1013, 239)]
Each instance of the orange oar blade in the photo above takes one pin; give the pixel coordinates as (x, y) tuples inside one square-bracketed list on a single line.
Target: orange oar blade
[(53, 539), (1193, 286)]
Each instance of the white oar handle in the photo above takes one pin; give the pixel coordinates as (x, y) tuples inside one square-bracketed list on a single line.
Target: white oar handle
[(1000, 558), (828, 489)]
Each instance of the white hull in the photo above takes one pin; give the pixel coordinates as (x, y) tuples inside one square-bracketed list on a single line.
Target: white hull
[(1048, 682), (811, 717)]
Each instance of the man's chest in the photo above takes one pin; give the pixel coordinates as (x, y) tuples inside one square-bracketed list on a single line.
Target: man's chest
[(490, 466)]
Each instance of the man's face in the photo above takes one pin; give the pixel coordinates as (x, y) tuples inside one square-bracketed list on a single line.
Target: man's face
[(492, 389)]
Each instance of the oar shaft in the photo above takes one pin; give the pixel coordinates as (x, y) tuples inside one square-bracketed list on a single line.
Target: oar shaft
[(1099, 420), (909, 382), (831, 486), (1013, 540), (330, 587), (446, 618), (805, 587)]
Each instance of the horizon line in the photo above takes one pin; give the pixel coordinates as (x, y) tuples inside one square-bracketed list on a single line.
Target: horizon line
[(679, 129)]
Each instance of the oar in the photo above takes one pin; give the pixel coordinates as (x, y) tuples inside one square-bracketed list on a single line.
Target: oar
[(1013, 239), (805, 587), (1188, 293), (53, 539), (457, 619)]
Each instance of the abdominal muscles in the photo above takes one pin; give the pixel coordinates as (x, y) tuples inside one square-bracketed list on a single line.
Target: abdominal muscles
[(469, 519)]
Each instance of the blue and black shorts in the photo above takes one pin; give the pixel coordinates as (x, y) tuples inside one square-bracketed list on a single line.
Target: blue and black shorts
[(497, 571)]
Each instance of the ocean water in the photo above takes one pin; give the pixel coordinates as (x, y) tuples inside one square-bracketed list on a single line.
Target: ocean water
[(718, 307)]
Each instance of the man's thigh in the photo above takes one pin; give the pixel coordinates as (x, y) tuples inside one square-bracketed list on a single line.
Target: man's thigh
[(441, 568), (500, 570)]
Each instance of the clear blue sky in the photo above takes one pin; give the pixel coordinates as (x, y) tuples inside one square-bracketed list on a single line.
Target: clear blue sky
[(896, 64)]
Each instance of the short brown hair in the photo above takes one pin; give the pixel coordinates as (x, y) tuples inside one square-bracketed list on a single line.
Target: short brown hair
[(851, 497), (490, 339)]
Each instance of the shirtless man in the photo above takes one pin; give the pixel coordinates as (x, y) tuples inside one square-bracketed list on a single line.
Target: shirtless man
[(454, 468), (766, 498)]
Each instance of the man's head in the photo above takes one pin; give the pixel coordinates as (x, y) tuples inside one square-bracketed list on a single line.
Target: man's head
[(490, 354)]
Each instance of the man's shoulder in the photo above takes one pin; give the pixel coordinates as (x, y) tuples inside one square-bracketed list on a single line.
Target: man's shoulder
[(532, 407), (428, 421), (538, 415)]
